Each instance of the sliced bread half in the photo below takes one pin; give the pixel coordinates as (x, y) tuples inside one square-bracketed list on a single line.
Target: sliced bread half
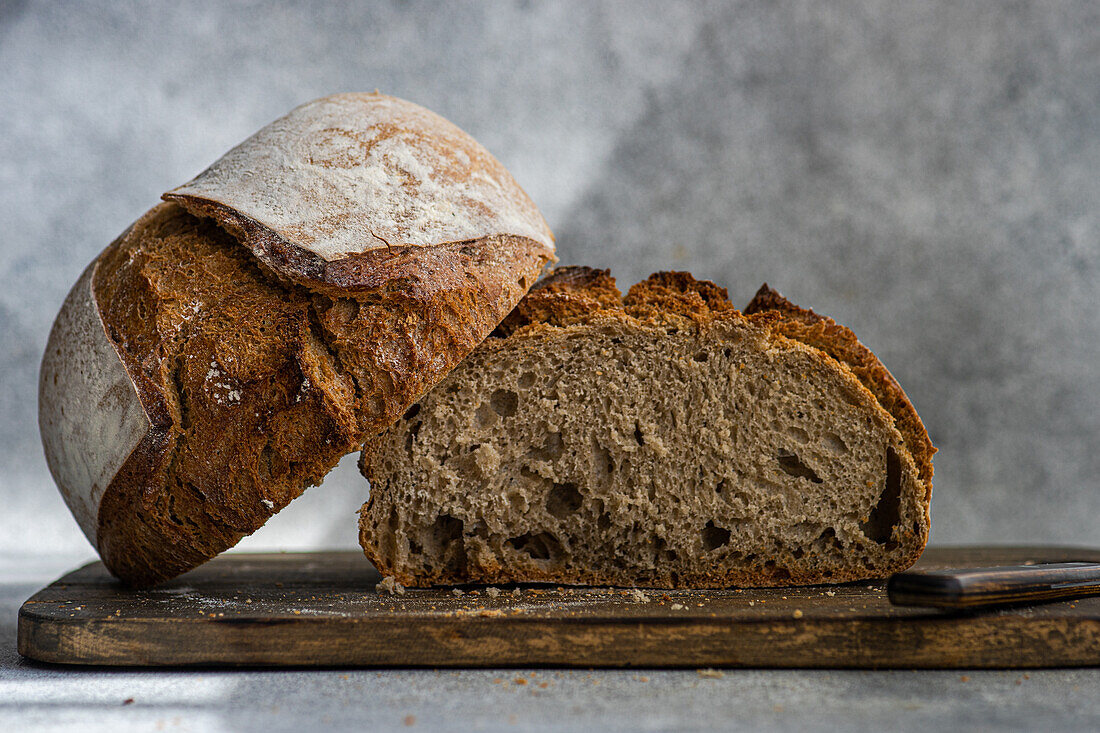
[(664, 439)]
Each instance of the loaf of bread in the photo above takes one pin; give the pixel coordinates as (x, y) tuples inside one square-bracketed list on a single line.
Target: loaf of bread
[(664, 439), (296, 297)]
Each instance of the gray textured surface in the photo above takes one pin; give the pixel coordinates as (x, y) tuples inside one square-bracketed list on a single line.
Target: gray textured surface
[(925, 172)]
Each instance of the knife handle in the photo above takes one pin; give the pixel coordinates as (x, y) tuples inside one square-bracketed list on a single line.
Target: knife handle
[(975, 588)]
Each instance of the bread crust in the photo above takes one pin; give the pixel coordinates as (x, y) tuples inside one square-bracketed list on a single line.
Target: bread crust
[(574, 297), (258, 366)]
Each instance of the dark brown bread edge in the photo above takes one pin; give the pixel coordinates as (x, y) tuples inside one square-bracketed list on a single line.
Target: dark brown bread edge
[(839, 342), (147, 534)]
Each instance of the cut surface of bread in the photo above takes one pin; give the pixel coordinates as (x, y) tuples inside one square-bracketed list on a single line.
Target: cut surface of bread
[(661, 440)]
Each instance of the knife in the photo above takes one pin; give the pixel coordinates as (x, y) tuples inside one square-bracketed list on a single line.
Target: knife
[(977, 588)]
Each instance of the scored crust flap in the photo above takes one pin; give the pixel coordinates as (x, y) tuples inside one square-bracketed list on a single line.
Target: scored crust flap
[(354, 179)]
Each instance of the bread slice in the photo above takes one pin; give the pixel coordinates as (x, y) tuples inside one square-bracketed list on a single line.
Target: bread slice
[(662, 440), (296, 297)]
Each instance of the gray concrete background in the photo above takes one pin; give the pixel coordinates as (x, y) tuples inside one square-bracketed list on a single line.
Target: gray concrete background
[(924, 172)]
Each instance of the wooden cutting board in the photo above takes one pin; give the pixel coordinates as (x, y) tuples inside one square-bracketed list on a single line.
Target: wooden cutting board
[(322, 609)]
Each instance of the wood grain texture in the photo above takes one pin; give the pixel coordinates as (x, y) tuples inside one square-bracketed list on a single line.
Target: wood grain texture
[(322, 609)]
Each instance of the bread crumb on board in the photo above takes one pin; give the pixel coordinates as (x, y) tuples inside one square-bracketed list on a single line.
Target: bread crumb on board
[(492, 592), (390, 585), (710, 673), (637, 596)]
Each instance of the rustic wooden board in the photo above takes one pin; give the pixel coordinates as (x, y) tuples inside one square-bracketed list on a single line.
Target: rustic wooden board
[(321, 609)]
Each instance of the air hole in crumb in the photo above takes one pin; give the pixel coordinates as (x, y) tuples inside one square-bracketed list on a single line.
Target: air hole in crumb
[(799, 434), (551, 450), (777, 572), (827, 542), (602, 462), (412, 411), (563, 500), (792, 465), (638, 434), (445, 539), (526, 380), (701, 356), (835, 443), (446, 529), (887, 512), (486, 416), (504, 402), (603, 522), (541, 546), (410, 437), (714, 537), (720, 487), (798, 553)]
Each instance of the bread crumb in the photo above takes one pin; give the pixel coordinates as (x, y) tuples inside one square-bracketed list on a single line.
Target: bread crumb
[(492, 592), (752, 603), (516, 593), (797, 613), (677, 607), (457, 593), (710, 673), (830, 593), (520, 681), (390, 585), (964, 678), (637, 596), (268, 503), (410, 720)]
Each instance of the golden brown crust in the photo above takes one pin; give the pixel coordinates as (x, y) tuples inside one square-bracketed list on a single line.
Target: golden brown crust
[(564, 296), (577, 294), (822, 332), (256, 388)]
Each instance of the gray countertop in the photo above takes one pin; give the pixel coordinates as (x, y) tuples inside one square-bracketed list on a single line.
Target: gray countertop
[(41, 697)]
